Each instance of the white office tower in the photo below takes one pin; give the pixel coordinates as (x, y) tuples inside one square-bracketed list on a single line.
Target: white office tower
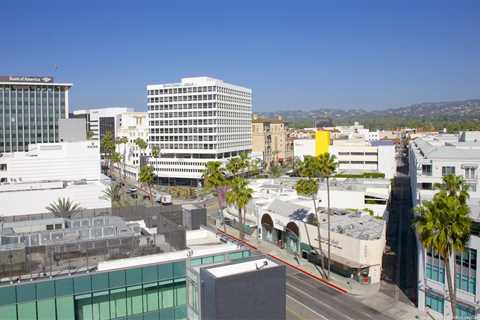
[(195, 121)]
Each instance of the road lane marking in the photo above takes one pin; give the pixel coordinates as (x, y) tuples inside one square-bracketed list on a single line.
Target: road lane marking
[(333, 297), (317, 300), (307, 307)]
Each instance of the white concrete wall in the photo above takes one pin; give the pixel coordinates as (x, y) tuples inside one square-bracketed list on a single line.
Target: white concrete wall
[(303, 147), (387, 163), (88, 196), (54, 161)]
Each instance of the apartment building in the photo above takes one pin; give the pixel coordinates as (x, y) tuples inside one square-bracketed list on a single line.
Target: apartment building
[(195, 121), (430, 158), (30, 108), (133, 125), (270, 139)]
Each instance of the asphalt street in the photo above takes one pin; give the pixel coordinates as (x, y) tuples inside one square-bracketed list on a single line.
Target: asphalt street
[(309, 299)]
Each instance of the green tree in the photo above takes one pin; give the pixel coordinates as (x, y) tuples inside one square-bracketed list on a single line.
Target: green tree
[(108, 147), (116, 159), (239, 195), (113, 193), (326, 166), (443, 225), (454, 186), (63, 208), (214, 178), (123, 141), (147, 177), (276, 170), (308, 186), (155, 152), (141, 144)]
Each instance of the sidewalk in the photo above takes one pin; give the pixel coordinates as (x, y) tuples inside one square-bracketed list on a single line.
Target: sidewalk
[(369, 295)]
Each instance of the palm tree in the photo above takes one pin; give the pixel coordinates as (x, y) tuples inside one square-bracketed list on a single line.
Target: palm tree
[(308, 186), (326, 167), (113, 193), (443, 225), (147, 177), (239, 195), (454, 186), (214, 177), (155, 152), (116, 158), (123, 141), (108, 147), (63, 207)]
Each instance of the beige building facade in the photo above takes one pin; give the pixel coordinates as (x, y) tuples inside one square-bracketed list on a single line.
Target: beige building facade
[(270, 138)]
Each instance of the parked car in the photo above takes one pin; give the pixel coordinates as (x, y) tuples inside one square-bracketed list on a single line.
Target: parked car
[(131, 190), (164, 199)]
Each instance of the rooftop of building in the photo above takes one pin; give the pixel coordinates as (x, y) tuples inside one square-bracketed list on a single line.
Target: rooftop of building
[(352, 223), (242, 267), (197, 81), (31, 81), (45, 246), (278, 120), (448, 146)]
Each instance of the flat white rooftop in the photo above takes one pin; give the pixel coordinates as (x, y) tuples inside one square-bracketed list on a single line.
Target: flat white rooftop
[(243, 267), (165, 257)]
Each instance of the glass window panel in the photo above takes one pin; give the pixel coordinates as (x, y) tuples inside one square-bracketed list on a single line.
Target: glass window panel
[(45, 290), (26, 292), (100, 281), (134, 300), (82, 284), (9, 312), (134, 276), (167, 296), (27, 311), (165, 271), (83, 307), (150, 301), (149, 274), (101, 306), (235, 255), (207, 260), (118, 303), (180, 294), (46, 309), (219, 258), (196, 262), (179, 269), (117, 279), (65, 308), (7, 295), (63, 287)]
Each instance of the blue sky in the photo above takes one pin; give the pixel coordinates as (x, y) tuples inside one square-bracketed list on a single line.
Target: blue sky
[(293, 54)]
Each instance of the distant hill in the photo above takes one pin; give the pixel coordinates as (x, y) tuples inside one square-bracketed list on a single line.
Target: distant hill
[(455, 115)]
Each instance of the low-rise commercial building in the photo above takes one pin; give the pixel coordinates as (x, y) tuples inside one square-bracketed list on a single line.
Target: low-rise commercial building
[(430, 158), (358, 219), (353, 155), (31, 181)]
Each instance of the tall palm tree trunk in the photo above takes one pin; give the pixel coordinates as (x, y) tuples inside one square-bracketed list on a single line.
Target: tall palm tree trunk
[(124, 163), (320, 251), (328, 225), (451, 287), (240, 220)]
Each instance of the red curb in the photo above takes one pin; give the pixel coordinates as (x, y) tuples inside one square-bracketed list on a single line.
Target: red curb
[(326, 282)]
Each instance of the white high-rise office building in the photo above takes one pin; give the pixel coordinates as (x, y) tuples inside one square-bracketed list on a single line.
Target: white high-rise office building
[(195, 121)]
